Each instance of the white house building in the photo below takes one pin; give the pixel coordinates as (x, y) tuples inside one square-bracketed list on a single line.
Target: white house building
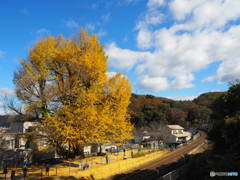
[(11, 137), (176, 133)]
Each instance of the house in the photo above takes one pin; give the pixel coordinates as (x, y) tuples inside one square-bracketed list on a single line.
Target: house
[(176, 134), (11, 137), (19, 129), (3, 130), (151, 140), (151, 143), (7, 141)]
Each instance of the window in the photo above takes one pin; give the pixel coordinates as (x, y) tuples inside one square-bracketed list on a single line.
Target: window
[(174, 131)]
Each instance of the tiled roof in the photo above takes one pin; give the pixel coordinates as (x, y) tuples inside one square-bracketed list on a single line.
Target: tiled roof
[(175, 127), (184, 134)]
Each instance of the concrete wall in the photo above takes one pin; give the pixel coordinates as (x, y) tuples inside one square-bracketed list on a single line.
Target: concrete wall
[(7, 141), (27, 125)]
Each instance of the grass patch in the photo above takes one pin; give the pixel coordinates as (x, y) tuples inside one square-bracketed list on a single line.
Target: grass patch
[(142, 153), (98, 169), (208, 145)]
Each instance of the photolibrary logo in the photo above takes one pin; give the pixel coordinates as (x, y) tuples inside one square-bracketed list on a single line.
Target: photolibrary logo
[(213, 173)]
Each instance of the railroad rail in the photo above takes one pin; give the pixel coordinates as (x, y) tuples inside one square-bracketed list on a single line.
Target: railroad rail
[(150, 171)]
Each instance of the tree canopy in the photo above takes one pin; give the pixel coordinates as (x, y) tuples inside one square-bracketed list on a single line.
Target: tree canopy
[(64, 84), (147, 109)]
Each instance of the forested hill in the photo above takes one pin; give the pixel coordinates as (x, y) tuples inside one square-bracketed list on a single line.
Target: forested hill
[(147, 109)]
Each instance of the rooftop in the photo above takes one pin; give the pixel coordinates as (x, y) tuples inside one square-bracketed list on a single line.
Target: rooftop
[(175, 127), (184, 134)]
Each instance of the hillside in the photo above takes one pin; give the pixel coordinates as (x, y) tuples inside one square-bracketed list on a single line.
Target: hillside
[(206, 99), (147, 109)]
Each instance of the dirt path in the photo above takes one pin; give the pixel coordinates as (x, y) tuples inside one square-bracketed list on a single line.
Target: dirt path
[(167, 159)]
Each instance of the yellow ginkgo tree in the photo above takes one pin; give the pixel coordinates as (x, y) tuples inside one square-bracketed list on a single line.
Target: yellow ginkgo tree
[(64, 84)]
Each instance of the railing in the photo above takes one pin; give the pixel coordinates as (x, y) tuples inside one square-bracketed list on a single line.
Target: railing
[(75, 168)]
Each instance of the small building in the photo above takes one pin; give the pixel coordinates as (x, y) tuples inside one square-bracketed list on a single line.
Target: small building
[(7, 141), (90, 149), (151, 143), (19, 129), (176, 134), (95, 148), (12, 137), (151, 140)]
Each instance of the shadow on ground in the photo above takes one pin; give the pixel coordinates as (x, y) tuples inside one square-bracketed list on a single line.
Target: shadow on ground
[(53, 178), (69, 164), (156, 173)]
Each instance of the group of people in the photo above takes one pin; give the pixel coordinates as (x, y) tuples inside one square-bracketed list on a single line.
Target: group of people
[(24, 170), (47, 169), (13, 172)]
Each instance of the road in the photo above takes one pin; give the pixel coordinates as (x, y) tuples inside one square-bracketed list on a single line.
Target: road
[(148, 169)]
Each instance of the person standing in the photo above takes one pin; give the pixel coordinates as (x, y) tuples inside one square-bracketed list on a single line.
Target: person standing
[(106, 158), (124, 154), (47, 170), (25, 171), (5, 171), (13, 174)]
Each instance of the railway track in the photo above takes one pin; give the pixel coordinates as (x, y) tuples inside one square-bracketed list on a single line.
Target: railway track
[(149, 170)]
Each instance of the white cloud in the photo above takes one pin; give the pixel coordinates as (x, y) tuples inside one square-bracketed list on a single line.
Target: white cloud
[(101, 33), (153, 16), (24, 11), (131, 1), (124, 58), (197, 38), (90, 27), (209, 78), (2, 53), (153, 84), (183, 98), (228, 71), (42, 32), (205, 13), (152, 4), (105, 18), (111, 74), (6, 92), (182, 8), (127, 2), (125, 39), (71, 24), (1, 109), (183, 81), (144, 39)]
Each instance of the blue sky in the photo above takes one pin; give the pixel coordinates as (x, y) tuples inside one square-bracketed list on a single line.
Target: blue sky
[(170, 48)]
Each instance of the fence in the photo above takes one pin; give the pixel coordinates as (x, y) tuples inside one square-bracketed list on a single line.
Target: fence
[(175, 174), (79, 168), (10, 160), (171, 175), (196, 136)]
